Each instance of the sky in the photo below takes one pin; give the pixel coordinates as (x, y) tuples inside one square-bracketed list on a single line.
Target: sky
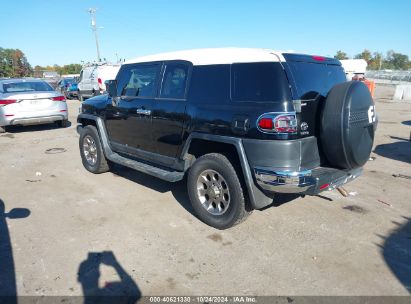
[(59, 32)]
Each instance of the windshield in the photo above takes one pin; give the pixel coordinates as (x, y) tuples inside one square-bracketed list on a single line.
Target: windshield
[(26, 86)]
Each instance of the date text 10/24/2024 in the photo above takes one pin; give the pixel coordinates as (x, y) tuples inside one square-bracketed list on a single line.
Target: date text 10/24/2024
[(203, 299)]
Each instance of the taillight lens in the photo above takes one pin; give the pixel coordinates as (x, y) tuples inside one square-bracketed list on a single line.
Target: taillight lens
[(99, 81), (266, 123), (59, 98), (7, 101), (278, 123), (285, 124)]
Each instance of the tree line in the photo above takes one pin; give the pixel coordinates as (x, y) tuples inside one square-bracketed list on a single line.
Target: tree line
[(13, 63), (377, 61)]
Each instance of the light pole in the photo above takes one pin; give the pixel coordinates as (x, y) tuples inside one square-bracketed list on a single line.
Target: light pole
[(92, 12)]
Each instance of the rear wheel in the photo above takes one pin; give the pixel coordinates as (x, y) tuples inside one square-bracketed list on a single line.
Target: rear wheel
[(91, 151), (215, 192)]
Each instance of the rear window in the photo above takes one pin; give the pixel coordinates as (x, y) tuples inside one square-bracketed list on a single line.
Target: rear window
[(261, 81), (314, 77), (26, 86)]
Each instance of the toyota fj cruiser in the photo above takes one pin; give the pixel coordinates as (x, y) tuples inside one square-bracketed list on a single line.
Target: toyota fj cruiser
[(241, 124)]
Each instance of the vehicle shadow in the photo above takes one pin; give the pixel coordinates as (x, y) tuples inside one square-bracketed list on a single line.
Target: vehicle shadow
[(123, 291), (178, 189), (397, 253), (280, 199), (34, 128), (400, 150), (7, 273)]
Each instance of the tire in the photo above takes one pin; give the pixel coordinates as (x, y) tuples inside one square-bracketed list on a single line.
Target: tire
[(62, 123), (91, 151), (348, 125), (222, 193)]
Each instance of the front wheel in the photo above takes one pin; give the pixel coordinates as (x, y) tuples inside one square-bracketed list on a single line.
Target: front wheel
[(91, 151), (215, 192)]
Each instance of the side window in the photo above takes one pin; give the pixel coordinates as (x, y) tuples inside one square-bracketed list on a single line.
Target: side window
[(210, 84), (138, 80), (260, 81), (174, 81)]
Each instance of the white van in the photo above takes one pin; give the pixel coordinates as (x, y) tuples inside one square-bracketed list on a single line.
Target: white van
[(92, 78)]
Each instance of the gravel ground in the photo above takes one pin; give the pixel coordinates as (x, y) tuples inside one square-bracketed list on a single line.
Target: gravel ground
[(81, 233)]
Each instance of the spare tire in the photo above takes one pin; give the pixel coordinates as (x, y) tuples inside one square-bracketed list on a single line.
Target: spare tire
[(347, 125)]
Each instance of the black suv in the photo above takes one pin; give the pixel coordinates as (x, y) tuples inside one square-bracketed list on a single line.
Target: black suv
[(241, 124)]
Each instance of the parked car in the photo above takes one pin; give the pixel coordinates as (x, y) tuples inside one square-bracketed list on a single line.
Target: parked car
[(63, 84), (30, 101), (242, 124), (72, 91), (92, 79)]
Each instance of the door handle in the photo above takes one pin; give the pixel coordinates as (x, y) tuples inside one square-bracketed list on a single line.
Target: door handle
[(143, 112)]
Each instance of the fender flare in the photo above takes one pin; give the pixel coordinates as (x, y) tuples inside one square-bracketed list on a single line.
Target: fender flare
[(257, 198)]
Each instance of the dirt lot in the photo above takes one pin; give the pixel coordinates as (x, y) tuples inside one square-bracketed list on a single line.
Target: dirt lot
[(140, 231)]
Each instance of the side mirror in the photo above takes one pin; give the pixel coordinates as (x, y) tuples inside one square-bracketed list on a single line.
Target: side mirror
[(111, 87)]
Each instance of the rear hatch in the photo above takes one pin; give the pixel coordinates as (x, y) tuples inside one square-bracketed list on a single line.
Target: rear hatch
[(311, 78), (32, 101)]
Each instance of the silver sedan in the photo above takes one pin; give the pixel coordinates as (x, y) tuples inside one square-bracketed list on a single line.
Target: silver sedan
[(30, 101)]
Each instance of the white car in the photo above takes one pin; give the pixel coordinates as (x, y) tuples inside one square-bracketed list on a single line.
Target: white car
[(93, 77), (30, 101)]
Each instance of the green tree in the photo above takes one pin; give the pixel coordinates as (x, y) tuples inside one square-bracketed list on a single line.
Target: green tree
[(13, 63), (73, 68), (366, 55), (376, 61), (397, 61), (340, 55)]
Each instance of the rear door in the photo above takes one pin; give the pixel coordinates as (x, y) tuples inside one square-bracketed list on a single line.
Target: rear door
[(311, 78), (169, 109), (128, 118)]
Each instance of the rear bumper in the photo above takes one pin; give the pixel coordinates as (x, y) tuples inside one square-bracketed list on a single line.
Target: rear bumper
[(310, 182), (32, 120), (37, 120), (71, 93)]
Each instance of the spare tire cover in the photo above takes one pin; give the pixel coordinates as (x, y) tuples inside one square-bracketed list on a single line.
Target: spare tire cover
[(347, 125)]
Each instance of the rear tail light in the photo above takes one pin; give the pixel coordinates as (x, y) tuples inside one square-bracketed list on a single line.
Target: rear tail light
[(7, 101), (278, 123), (99, 81), (59, 98)]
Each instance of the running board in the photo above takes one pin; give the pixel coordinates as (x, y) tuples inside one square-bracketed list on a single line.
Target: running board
[(170, 176)]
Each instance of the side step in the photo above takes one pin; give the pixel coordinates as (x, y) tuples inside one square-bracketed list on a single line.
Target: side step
[(170, 176)]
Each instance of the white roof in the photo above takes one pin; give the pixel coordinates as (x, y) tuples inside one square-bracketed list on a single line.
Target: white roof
[(216, 56)]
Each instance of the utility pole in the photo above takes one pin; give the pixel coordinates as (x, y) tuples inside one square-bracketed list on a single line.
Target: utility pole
[(92, 12)]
